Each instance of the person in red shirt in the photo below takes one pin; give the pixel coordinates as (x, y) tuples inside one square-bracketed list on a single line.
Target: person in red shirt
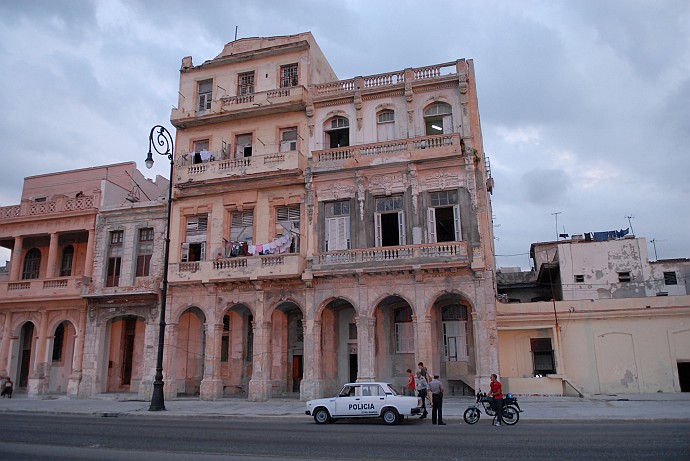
[(497, 395), (410, 383)]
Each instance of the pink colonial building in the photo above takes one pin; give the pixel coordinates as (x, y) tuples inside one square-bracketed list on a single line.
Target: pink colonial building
[(326, 230), (51, 234)]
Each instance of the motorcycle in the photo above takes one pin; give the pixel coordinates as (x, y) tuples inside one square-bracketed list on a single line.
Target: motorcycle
[(511, 409)]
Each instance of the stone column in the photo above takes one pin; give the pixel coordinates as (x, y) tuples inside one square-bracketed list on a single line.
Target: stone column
[(211, 383), (16, 262), (37, 377), (366, 348), (51, 269), (312, 384), (169, 383), (88, 264), (423, 340), (78, 358), (5, 345), (261, 386)]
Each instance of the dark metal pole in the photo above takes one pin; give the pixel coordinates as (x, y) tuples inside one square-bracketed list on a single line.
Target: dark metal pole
[(163, 141)]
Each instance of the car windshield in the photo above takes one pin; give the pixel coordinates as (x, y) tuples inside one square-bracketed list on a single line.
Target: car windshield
[(393, 390)]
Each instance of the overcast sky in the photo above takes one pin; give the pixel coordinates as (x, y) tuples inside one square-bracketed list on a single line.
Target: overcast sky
[(585, 105)]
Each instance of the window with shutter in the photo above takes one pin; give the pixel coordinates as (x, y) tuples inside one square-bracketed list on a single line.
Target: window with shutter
[(287, 219), (443, 218), (288, 139), (288, 76), (245, 83), (389, 222), (242, 226), (205, 89), (337, 226), (243, 145), (385, 125), (438, 119)]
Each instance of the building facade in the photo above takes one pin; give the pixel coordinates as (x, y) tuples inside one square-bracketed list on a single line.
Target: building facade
[(326, 230), (595, 317), (51, 235)]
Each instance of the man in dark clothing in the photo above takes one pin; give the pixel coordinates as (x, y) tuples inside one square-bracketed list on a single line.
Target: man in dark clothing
[(436, 388)]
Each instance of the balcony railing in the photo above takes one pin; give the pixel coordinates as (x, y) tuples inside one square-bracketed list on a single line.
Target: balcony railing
[(385, 257), (406, 149), (241, 268), (219, 167), (387, 79), (59, 205), (41, 288)]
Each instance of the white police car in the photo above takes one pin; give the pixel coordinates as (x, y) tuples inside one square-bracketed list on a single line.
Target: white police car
[(365, 400)]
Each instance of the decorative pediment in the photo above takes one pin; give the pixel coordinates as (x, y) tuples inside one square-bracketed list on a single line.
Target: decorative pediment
[(441, 180), (336, 191), (388, 184)]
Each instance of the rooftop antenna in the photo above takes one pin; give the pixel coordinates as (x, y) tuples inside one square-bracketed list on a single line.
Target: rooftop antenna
[(653, 242), (556, 215), (236, 33), (630, 223)]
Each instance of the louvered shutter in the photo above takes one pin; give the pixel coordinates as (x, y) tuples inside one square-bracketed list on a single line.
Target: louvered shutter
[(401, 228), (431, 225), (458, 226)]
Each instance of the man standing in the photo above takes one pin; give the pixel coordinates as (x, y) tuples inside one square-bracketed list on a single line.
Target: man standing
[(422, 388), (436, 388), (411, 386), (497, 395)]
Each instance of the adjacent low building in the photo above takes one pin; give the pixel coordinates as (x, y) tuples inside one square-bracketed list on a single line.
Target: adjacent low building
[(595, 317)]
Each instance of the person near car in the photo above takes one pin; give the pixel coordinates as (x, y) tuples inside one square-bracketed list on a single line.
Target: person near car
[(422, 388), (497, 395), (411, 386), (436, 388)]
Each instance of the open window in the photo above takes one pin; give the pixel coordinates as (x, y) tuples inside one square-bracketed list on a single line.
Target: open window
[(201, 151), (245, 83), (32, 264), (287, 219), (288, 76), (385, 125), (114, 259), (438, 119), (542, 356), (389, 222), (194, 247), (288, 139), (444, 217), (67, 260), (242, 227), (455, 333), (243, 143), (205, 90), (337, 133), (337, 225), (404, 330), (144, 252)]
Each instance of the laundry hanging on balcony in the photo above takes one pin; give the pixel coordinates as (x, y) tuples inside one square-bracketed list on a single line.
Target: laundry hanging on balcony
[(280, 244)]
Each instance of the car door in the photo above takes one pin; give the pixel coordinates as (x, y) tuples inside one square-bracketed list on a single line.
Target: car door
[(373, 399), (348, 401)]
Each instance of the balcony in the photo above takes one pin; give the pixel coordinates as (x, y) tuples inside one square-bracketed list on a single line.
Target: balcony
[(383, 259), (387, 81), (268, 267), (245, 166), (61, 204), (242, 106), (53, 289), (400, 150)]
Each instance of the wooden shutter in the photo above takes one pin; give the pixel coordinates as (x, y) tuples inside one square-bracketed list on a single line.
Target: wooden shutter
[(431, 225), (458, 226), (377, 229), (401, 228)]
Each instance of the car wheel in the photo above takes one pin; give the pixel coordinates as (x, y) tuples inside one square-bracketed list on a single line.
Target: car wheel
[(321, 416), (471, 415), (390, 416)]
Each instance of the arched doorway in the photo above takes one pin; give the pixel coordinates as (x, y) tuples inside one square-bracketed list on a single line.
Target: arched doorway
[(339, 347), (61, 357), (453, 344), (189, 352), (125, 354), (287, 369), (236, 350), (394, 339), (25, 359)]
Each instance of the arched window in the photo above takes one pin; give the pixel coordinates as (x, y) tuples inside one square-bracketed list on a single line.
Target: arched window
[(32, 264), (438, 119), (385, 125), (337, 132), (67, 258), (58, 342)]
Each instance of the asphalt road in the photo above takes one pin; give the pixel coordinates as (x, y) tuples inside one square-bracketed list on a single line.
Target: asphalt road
[(58, 437)]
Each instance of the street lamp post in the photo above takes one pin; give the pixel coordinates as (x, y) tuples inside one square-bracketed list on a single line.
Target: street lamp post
[(162, 145)]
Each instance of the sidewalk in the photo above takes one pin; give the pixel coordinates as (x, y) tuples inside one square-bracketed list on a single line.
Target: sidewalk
[(649, 407)]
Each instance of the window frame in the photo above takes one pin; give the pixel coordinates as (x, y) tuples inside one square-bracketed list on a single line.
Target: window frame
[(288, 145), (337, 222), (205, 97), (289, 75), (115, 253), (144, 251), (245, 83), (670, 278)]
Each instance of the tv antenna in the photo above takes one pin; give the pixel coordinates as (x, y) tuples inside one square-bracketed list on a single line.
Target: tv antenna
[(556, 215), (630, 223)]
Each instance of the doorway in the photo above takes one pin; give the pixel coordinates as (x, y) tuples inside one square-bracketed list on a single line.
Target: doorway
[(684, 376), (353, 368), (27, 339)]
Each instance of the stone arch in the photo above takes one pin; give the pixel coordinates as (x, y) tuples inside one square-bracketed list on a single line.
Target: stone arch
[(393, 338), (189, 347), (371, 309), (63, 339), (453, 349), (236, 348), (339, 348), (25, 351), (287, 346), (123, 352)]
